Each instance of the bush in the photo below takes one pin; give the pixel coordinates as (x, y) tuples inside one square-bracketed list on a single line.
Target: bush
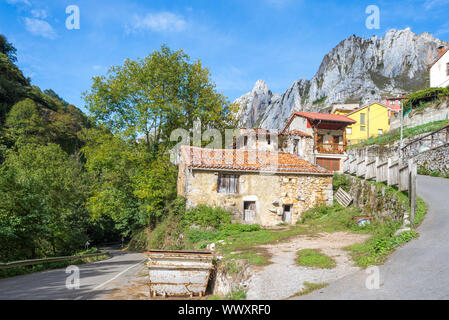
[(422, 97), (205, 216), (341, 181)]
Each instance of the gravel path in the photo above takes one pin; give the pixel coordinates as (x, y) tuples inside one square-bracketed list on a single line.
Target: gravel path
[(283, 278), (418, 270)]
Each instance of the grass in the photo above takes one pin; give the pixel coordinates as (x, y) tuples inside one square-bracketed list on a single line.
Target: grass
[(395, 135), (376, 249), (426, 172), (314, 258), (17, 271), (236, 294), (310, 287)]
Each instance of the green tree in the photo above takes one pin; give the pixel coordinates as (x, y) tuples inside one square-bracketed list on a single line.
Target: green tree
[(24, 123), (129, 185), (42, 203), (8, 49), (151, 97)]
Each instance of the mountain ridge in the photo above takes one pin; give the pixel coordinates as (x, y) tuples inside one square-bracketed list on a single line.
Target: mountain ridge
[(356, 70)]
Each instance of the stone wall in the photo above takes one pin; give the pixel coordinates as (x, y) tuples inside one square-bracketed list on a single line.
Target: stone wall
[(305, 147), (436, 159), (380, 202), (420, 117), (270, 192)]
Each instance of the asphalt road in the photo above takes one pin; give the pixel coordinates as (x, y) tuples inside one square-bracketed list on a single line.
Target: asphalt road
[(418, 270), (97, 280)]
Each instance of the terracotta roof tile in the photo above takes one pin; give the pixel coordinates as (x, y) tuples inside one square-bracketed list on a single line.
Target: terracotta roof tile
[(247, 160), (324, 116), (438, 59)]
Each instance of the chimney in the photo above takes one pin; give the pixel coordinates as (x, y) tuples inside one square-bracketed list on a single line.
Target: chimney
[(441, 51)]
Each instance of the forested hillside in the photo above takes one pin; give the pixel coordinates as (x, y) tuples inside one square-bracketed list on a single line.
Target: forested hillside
[(66, 178)]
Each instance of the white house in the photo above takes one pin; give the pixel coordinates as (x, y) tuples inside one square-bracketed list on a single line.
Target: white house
[(439, 69)]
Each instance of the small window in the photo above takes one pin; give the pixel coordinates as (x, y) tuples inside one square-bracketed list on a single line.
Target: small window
[(268, 139), (295, 146), (245, 141), (362, 118), (348, 130), (228, 183), (362, 128), (447, 69), (380, 132)]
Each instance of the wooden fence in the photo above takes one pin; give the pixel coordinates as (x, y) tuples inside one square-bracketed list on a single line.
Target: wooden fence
[(426, 142), (393, 172)]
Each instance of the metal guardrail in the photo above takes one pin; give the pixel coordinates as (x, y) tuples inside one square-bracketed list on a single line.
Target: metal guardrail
[(23, 263)]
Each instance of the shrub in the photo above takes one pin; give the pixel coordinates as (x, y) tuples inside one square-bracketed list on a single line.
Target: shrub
[(421, 97), (341, 181), (206, 216)]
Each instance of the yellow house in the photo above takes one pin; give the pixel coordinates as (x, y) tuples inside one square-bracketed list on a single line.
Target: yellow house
[(372, 120)]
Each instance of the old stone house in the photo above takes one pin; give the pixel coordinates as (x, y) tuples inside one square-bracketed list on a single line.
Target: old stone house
[(263, 187)]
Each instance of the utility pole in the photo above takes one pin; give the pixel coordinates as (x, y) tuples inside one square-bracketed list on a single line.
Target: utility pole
[(402, 126)]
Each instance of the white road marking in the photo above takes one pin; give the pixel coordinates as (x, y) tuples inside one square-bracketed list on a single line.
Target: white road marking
[(118, 275)]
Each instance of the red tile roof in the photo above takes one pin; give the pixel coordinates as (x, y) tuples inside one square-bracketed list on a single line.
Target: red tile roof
[(440, 55), (324, 117), (247, 160)]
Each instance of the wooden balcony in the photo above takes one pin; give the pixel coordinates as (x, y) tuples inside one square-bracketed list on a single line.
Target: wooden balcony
[(331, 148)]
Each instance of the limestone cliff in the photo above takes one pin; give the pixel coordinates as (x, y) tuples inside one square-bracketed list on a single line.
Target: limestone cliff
[(356, 70)]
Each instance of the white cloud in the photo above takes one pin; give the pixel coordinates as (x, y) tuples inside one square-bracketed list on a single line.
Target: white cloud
[(40, 28), (39, 13), (430, 4), (28, 3), (158, 22)]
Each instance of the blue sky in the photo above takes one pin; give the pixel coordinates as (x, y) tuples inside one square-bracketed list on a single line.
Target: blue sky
[(240, 41)]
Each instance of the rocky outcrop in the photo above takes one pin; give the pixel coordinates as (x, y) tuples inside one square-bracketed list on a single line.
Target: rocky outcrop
[(357, 70)]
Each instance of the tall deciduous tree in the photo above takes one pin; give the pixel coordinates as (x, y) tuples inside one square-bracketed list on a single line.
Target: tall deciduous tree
[(42, 197), (151, 97)]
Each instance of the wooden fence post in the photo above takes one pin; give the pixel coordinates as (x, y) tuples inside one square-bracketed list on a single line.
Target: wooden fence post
[(388, 172)]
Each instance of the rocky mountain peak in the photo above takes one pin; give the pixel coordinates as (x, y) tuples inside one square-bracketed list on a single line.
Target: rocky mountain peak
[(357, 70)]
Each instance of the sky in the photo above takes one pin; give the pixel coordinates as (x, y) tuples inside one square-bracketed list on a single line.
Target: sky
[(240, 41)]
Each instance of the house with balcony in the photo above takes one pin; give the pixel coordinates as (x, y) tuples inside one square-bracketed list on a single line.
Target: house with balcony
[(322, 140)]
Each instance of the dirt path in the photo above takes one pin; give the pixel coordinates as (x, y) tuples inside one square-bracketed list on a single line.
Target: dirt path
[(283, 278)]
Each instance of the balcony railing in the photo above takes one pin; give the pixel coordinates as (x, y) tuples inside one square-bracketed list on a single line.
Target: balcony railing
[(331, 148)]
